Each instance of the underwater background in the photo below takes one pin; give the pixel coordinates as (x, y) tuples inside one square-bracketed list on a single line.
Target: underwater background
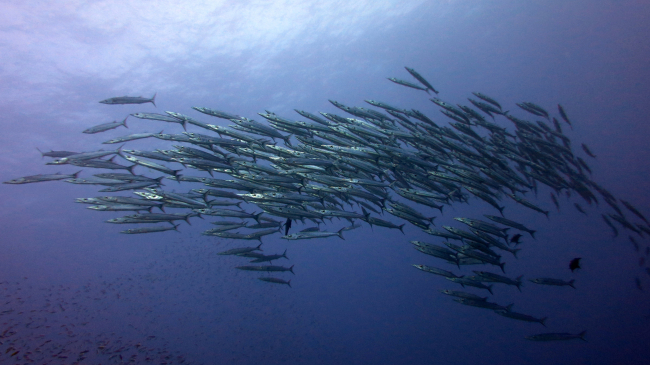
[(68, 277)]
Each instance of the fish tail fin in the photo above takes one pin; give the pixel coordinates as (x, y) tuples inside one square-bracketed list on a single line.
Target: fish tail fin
[(153, 100), (259, 247), (76, 174), (365, 212), (532, 233), (519, 282), (546, 214), (130, 168), (176, 172), (285, 254), (124, 122), (162, 208), (582, 335), (291, 269), (514, 252), (401, 228), (502, 266), (257, 216), (571, 283), (176, 227), (543, 320), (184, 124), (340, 233), (489, 288), (42, 154), (501, 210), (440, 208), (509, 306), (289, 283), (150, 209)]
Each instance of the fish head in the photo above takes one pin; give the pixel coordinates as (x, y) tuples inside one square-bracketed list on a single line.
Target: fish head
[(60, 161)]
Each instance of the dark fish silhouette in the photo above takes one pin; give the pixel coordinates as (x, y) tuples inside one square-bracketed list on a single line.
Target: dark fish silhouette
[(515, 239), (575, 264), (287, 226)]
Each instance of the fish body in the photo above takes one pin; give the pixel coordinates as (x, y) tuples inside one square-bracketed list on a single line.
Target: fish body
[(275, 280), (130, 100), (266, 258), (105, 127), (554, 282), (469, 282), (241, 250), (488, 99), (315, 234), (435, 270), (57, 154), (563, 115), (41, 178), (268, 268), (462, 294), (557, 336), (511, 223), (520, 316), (483, 304), (130, 137), (496, 278), (150, 229), (528, 204), (421, 79)]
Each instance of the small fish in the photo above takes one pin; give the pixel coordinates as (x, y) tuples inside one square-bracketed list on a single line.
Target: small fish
[(609, 223), (556, 336), (314, 234), (41, 178), (130, 100), (422, 80), (241, 250), (105, 127), (515, 239), (407, 84), (265, 268), (554, 282), (150, 229), (563, 115), (520, 316), (555, 202), (579, 208), (488, 99), (276, 280), (462, 294), (588, 151), (634, 210), (57, 154)]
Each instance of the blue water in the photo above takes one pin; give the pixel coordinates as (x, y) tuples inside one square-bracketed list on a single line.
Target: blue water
[(352, 301)]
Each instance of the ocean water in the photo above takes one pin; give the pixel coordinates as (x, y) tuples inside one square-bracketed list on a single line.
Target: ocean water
[(70, 283)]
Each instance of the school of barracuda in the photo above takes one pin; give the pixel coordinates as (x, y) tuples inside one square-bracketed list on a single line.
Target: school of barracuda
[(330, 162)]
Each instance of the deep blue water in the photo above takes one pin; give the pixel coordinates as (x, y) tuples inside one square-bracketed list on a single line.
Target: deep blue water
[(358, 300)]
